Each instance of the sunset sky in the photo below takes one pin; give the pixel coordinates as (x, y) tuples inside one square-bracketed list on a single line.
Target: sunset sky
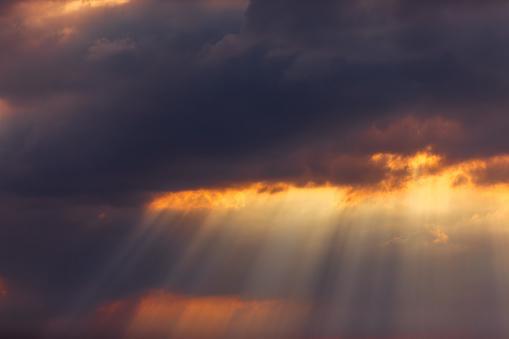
[(263, 169)]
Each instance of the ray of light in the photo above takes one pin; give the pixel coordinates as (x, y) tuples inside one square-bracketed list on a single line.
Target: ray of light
[(400, 257), (163, 314)]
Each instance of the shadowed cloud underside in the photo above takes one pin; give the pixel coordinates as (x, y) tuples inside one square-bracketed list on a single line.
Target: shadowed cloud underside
[(235, 169)]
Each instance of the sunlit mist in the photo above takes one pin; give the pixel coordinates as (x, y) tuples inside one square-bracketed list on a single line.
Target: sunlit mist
[(283, 238), (166, 314)]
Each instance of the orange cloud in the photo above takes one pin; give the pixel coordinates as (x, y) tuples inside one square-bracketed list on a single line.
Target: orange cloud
[(52, 8), (200, 199), (440, 236), (211, 199), (40, 14), (421, 237), (45, 24), (426, 170), (77, 5), (489, 171), (421, 172), (163, 314), (420, 162), (401, 171), (398, 169), (5, 108)]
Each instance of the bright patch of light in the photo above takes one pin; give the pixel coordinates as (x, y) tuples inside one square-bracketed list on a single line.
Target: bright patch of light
[(83, 4)]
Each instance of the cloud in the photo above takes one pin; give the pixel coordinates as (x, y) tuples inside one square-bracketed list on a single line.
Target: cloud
[(153, 112), (491, 171), (105, 48), (159, 314), (422, 237), (248, 111), (3, 288), (199, 106)]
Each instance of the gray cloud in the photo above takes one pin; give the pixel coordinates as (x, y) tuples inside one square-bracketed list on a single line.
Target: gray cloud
[(107, 107)]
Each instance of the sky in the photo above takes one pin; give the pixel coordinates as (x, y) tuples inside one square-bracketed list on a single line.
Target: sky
[(280, 169)]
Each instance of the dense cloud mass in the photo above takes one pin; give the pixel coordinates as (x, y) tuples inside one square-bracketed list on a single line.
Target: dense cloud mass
[(161, 96), (106, 104)]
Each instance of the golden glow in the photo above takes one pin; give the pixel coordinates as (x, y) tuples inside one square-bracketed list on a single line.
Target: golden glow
[(440, 236), (402, 172), (40, 14), (77, 5), (421, 160), (426, 181), (5, 108), (422, 180), (420, 212), (162, 313), (210, 199), (200, 199)]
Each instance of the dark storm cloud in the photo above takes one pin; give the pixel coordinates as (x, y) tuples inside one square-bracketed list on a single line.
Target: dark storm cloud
[(102, 107), (130, 103), (59, 259)]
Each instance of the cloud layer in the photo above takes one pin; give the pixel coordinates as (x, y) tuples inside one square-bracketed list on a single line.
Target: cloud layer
[(107, 106), (171, 96)]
